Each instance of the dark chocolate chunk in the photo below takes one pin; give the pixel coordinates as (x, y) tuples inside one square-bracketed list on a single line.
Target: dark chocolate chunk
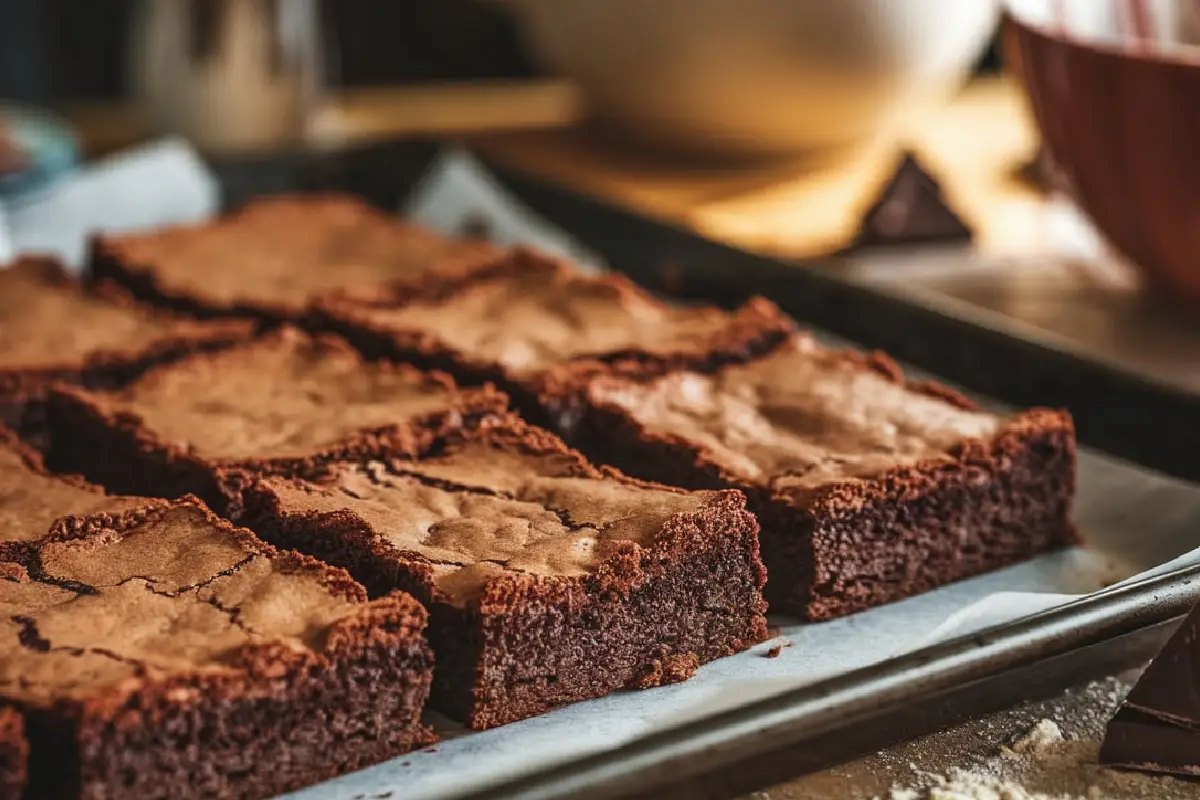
[(1142, 742), (911, 209), (1158, 726)]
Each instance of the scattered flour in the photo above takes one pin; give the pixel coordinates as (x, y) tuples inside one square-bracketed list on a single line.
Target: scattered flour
[(1043, 765)]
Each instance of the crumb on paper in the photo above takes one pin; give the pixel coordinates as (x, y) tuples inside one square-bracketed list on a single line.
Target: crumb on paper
[(774, 651), (1037, 738)]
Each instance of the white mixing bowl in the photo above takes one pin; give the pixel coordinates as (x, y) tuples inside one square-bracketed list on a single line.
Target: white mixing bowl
[(757, 77)]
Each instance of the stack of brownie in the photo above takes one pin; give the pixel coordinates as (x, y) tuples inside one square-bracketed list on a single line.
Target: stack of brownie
[(278, 481)]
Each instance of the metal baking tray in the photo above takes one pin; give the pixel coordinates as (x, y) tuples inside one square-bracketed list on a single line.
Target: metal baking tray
[(1131, 513)]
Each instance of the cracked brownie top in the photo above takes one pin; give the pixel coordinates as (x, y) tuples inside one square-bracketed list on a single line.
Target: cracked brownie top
[(529, 313), (287, 395), (278, 254), (49, 322), (801, 416), (158, 593), (31, 500), (508, 499)]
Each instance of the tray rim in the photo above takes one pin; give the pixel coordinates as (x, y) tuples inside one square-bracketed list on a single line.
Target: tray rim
[(838, 705)]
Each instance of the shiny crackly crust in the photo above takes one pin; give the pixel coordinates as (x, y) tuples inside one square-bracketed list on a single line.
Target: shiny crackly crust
[(511, 433), (20, 387), (752, 329), (124, 436), (721, 528), (187, 335), (391, 625), (108, 262), (606, 432), (21, 552)]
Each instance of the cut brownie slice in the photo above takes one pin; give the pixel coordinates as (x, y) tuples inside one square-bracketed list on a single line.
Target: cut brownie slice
[(274, 256), (869, 488), (51, 328), (32, 500), (14, 754), (548, 580), (166, 653), (515, 320), (271, 405)]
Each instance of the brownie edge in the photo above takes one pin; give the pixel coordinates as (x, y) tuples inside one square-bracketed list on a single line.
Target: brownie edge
[(166, 653), (549, 581), (14, 754), (870, 488)]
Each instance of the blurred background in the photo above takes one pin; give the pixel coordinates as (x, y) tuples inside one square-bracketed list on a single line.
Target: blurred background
[(1016, 166), (54, 50)]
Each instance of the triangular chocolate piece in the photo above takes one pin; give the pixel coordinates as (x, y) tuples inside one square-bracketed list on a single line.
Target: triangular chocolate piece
[(1157, 728), (911, 209), (1041, 173)]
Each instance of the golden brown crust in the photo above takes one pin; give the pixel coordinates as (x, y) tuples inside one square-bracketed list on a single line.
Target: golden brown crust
[(276, 255), (121, 439), (383, 324)]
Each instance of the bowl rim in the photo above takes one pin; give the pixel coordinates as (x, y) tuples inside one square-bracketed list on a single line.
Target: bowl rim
[(1122, 44)]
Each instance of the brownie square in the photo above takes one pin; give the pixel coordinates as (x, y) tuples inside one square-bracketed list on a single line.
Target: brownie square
[(548, 580), (869, 488), (32, 500), (274, 256), (166, 653), (275, 404), (517, 319), (52, 328), (14, 753)]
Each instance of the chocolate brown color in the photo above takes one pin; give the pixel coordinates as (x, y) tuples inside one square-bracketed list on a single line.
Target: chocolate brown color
[(14, 753), (548, 580), (276, 404), (518, 319), (1157, 728), (52, 328), (1120, 122), (33, 501), (166, 653), (274, 256), (869, 488)]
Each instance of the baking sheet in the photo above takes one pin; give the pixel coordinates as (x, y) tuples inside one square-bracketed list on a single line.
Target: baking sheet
[(1123, 540)]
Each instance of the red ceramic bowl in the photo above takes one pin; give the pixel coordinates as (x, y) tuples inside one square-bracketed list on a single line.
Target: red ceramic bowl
[(1116, 93)]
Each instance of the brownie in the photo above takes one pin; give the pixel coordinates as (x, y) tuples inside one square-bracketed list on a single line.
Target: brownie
[(32, 500), (515, 320), (274, 404), (166, 653), (548, 580), (14, 753), (869, 488), (272, 257), (52, 328), (1157, 728)]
